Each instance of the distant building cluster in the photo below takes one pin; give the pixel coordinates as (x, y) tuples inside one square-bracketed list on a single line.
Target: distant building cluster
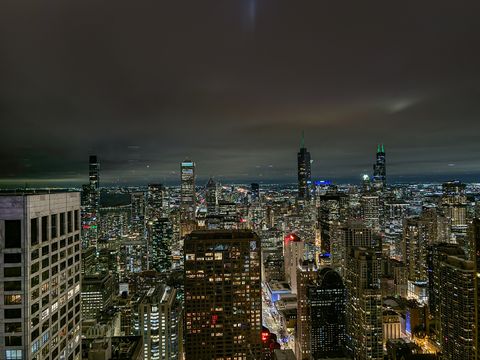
[(306, 271)]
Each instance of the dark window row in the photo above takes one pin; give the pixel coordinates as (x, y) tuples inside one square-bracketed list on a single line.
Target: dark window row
[(60, 224)]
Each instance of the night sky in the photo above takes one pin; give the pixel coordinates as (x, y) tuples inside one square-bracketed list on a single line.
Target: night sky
[(232, 84)]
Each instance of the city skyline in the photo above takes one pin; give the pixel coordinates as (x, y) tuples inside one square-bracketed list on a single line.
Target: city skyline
[(173, 177), (232, 85)]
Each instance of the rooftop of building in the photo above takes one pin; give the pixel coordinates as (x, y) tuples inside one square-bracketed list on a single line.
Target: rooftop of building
[(221, 235), (276, 285), (122, 348), (31, 192)]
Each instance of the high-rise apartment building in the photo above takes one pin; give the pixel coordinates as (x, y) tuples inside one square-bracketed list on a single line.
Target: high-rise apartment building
[(188, 195), (40, 270), (223, 300), (364, 309), (414, 249), (435, 254), (304, 172), (457, 308), (306, 275)]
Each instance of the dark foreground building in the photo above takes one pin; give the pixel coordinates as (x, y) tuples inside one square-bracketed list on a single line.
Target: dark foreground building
[(223, 306)]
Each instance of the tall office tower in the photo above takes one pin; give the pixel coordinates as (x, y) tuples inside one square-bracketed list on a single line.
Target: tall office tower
[(304, 172), (138, 214), (223, 299), (160, 234), (370, 211), (414, 249), (91, 204), (188, 196), (292, 254), (331, 211), (157, 317), (327, 298), (364, 309), (457, 307), (255, 190), (156, 206), (380, 169), (94, 181), (40, 276), (212, 197), (306, 275)]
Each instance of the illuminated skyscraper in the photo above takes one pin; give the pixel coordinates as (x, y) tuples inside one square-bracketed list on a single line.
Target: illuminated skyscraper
[(292, 253), (160, 232), (370, 211), (138, 214), (304, 172), (414, 249), (457, 308), (380, 169), (91, 204), (40, 273), (306, 275), (156, 206), (212, 197), (157, 318), (437, 253), (454, 204), (223, 300), (327, 298), (321, 316), (364, 309), (188, 194)]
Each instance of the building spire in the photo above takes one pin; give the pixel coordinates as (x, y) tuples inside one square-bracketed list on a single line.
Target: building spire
[(383, 149), (302, 141), (378, 148)]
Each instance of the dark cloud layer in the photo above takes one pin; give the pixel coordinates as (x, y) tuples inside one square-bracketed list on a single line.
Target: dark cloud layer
[(231, 84)]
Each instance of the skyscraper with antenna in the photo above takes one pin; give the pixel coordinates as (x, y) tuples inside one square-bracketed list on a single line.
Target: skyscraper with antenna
[(379, 169), (304, 171)]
